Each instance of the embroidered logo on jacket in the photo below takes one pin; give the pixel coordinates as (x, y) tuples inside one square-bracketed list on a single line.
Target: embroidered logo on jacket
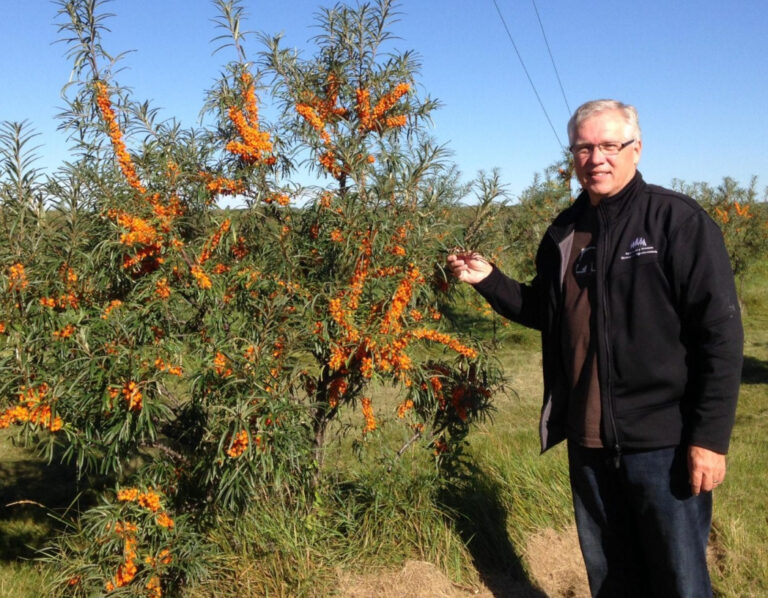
[(637, 248), (585, 264)]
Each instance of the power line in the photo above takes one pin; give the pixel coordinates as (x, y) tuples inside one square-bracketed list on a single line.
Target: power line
[(551, 58), (520, 58)]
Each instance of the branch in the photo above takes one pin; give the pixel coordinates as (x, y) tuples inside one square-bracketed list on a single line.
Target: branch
[(168, 451), (404, 448)]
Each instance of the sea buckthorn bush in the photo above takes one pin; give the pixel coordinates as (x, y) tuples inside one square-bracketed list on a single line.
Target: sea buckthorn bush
[(195, 356), (741, 216), (526, 223)]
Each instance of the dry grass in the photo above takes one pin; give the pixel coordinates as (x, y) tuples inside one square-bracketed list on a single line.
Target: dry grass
[(419, 579)]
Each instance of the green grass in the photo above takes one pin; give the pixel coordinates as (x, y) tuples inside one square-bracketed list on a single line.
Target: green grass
[(740, 511), (30, 492), (368, 517)]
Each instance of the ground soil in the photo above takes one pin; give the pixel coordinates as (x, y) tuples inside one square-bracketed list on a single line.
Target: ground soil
[(553, 559)]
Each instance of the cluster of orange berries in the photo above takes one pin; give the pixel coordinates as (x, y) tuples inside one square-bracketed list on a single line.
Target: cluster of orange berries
[(376, 119), (203, 280), (221, 365), (221, 185), (131, 394), (65, 332), (336, 390), (331, 163), (441, 446), (154, 589), (404, 408), (127, 570), (17, 278), (457, 401), (313, 118), (149, 500), (32, 408), (391, 321), (342, 312), (145, 260), (239, 250), (437, 385), (353, 351), (724, 214), (319, 113), (166, 213), (394, 358), (280, 199), (370, 419), (255, 144), (401, 234), (111, 306), (212, 243), (174, 370), (445, 339), (66, 301), (162, 289), (140, 232), (250, 353), (68, 275), (116, 135), (239, 444)]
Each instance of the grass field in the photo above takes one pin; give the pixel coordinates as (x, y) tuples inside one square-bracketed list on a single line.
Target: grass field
[(376, 515)]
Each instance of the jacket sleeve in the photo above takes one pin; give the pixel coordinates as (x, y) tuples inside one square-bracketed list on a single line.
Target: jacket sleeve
[(705, 291), (515, 301)]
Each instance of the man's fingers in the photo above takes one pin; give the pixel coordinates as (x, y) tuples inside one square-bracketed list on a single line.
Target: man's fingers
[(468, 267), (706, 469), (457, 265), (696, 479)]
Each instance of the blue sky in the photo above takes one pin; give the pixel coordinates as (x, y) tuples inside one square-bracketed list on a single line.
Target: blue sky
[(696, 70)]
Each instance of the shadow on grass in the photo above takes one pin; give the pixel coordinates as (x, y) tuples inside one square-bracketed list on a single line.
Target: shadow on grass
[(480, 519), (754, 371), (495, 328), (32, 495)]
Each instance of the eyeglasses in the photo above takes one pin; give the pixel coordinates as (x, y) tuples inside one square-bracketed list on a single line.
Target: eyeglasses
[(607, 148)]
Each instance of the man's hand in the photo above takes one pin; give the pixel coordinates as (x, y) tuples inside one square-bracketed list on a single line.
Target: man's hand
[(706, 469), (469, 267)]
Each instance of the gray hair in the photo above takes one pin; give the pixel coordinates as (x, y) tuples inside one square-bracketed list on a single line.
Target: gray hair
[(593, 107)]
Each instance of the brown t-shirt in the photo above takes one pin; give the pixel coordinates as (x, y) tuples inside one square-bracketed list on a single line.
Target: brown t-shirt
[(578, 346)]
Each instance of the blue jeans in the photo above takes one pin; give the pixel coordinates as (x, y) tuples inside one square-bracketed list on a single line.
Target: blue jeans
[(642, 532)]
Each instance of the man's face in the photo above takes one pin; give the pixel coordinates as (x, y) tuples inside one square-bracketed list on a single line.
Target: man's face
[(604, 176)]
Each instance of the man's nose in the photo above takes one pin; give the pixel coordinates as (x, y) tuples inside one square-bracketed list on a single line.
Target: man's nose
[(596, 156)]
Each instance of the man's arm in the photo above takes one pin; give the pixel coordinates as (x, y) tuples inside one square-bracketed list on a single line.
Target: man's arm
[(709, 311), (509, 298)]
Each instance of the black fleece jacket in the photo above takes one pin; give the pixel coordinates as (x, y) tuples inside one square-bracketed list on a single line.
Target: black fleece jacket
[(667, 326)]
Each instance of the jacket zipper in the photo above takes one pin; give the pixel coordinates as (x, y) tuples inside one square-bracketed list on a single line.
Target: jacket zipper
[(607, 337)]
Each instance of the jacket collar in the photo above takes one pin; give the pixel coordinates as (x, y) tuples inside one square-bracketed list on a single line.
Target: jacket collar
[(613, 207), (618, 205)]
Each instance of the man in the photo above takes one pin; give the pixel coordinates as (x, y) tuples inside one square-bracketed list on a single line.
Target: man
[(642, 349)]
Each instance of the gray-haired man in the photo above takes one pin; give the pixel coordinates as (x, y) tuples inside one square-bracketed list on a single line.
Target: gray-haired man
[(642, 350)]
